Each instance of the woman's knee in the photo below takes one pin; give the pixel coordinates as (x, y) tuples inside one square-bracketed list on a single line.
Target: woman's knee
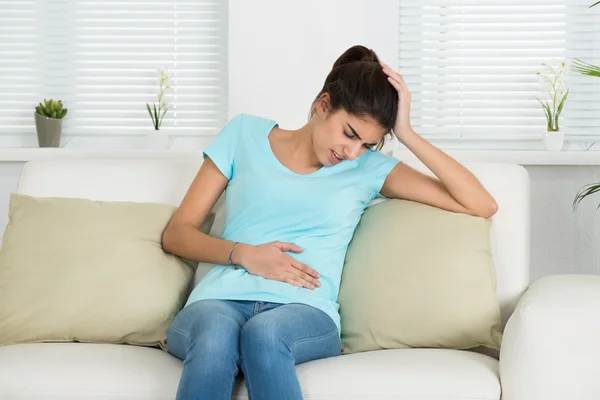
[(209, 326), (260, 336)]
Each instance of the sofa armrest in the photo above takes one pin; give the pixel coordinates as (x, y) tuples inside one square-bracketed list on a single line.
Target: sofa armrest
[(551, 344)]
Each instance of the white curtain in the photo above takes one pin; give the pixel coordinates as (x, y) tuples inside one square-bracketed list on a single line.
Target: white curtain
[(471, 66), (101, 58)]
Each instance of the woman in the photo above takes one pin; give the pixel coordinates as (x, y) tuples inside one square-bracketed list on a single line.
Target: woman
[(294, 199)]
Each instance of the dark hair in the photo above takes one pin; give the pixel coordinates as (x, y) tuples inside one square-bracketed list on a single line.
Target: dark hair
[(358, 85)]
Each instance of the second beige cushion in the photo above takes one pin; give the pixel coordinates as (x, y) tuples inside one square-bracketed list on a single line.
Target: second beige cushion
[(89, 271), (419, 276)]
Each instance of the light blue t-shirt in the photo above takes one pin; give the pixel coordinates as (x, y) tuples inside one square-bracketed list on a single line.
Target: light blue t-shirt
[(265, 201)]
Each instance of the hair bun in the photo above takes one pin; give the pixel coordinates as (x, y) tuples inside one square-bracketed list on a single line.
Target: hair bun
[(356, 53)]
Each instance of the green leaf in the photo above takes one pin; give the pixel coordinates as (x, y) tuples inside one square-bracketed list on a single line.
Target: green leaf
[(156, 121), (562, 103), (584, 192), (585, 68), (161, 117), (546, 111), (595, 4), (150, 112)]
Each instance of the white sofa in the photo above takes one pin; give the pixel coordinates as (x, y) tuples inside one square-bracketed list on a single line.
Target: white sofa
[(551, 347)]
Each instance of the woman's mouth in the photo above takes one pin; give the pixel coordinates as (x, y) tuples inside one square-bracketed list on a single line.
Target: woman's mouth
[(335, 158)]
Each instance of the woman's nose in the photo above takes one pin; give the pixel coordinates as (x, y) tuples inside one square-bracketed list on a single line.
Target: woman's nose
[(352, 152)]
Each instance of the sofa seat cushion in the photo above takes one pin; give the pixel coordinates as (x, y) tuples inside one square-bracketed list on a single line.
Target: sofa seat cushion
[(82, 371), (402, 374), (85, 371)]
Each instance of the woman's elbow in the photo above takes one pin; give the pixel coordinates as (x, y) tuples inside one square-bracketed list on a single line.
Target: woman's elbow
[(489, 209), (166, 239)]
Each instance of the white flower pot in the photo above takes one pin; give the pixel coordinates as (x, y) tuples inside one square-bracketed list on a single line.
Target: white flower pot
[(158, 140), (553, 141)]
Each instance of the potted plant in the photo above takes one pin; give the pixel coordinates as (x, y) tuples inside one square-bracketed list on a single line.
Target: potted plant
[(48, 122), (590, 70), (158, 139), (552, 79)]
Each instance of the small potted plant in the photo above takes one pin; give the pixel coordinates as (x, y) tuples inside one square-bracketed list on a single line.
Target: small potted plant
[(553, 106), (48, 122), (158, 139)]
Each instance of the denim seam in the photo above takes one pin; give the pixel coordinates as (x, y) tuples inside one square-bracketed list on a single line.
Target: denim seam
[(314, 338), (243, 359), (180, 331)]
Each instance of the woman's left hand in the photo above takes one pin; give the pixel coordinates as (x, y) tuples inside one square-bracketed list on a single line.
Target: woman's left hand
[(402, 128)]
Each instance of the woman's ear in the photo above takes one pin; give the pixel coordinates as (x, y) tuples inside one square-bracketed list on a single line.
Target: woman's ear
[(323, 105)]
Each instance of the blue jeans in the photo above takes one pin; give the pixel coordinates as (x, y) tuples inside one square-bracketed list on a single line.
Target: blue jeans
[(216, 338)]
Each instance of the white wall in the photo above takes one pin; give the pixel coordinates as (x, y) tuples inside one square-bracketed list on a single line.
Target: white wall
[(563, 240)]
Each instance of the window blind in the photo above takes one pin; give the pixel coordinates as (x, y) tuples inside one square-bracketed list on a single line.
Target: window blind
[(471, 65), (102, 59)]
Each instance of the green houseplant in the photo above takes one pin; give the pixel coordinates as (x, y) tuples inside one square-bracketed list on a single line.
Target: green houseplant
[(157, 113), (586, 68), (590, 70), (553, 106), (49, 116), (157, 110)]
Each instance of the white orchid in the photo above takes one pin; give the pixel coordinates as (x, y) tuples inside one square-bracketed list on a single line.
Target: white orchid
[(157, 113)]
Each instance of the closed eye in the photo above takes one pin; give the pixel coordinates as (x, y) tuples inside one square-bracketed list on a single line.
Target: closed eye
[(366, 146)]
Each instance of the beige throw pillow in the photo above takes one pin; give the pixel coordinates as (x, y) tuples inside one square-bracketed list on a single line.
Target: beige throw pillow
[(418, 276), (89, 271)]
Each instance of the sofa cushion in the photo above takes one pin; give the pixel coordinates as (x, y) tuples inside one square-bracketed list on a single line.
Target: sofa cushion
[(86, 371), (419, 276), (81, 371), (89, 271)]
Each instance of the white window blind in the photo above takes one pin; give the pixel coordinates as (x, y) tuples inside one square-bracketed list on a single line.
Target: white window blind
[(102, 58), (471, 65)]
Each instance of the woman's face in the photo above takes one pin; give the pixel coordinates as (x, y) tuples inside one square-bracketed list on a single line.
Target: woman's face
[(340, 136)]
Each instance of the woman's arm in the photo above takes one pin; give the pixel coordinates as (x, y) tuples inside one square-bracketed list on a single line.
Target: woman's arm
[(456, 189), (182, 236)]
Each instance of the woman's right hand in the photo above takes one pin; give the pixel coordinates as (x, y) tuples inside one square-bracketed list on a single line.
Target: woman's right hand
[(270, 261)]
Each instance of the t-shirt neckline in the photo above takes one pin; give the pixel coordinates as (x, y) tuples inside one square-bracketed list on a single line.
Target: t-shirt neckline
[(272, 124)]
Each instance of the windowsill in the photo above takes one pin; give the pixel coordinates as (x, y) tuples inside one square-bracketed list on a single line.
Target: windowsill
[(34, 154), (522, 157)]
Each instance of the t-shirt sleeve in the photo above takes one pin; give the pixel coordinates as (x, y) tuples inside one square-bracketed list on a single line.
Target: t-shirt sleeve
[(223, 148), (377, 168)]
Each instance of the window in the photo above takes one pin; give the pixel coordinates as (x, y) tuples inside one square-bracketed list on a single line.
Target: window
[(102, 59), (471, 66)]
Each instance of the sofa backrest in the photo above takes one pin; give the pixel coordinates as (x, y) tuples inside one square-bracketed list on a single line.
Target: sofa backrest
[(166, 180)]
